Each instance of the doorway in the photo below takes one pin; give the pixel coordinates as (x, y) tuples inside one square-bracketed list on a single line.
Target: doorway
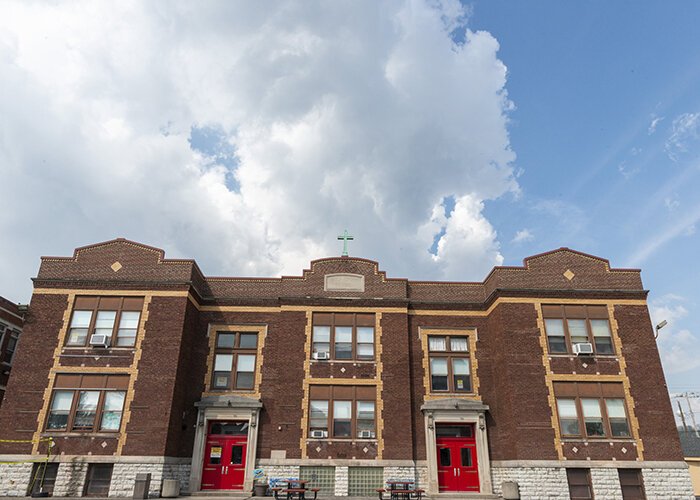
[(457, 462), (225, 454)]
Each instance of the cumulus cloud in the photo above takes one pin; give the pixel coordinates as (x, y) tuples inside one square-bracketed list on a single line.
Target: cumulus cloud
[(677, 345), (248, 135), (523, 236)]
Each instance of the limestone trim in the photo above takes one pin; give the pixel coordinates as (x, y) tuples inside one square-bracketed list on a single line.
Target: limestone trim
[(458, 415), (261, 330), (57, 368), (472, 337), (525, 300), (120, 293), (124, 459), (376, 382), (551, 377), (612, 464), (134, 372), (41, 417)]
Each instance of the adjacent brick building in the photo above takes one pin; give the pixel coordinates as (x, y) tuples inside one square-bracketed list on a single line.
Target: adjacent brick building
[(547, 375), (10, 330)]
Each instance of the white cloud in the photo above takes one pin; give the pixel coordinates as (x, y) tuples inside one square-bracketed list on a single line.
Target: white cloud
[(335, 122), (685, 134), (677, 345), (671, 202), (655, 120), (523, 236)]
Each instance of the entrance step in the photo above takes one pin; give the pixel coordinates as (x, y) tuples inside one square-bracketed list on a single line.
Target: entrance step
[(463, 495), (222, 493)]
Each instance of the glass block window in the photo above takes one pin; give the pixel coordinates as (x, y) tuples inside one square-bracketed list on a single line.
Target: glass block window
[(319, 477), (363, 481)]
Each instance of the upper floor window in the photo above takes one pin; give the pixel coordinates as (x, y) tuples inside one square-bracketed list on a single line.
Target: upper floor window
[(234, 360), (344, 336), (594, 410), (342, 412), (115, 317), (450, 365), (87, 403), (567, 326), (8, 341)]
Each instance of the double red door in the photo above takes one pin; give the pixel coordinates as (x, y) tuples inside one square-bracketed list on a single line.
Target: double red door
[(224, 462), (458, 469)]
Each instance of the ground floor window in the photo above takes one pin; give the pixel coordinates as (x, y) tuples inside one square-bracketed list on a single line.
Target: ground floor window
[(319, 477), (98, 479), (364, 481), (579, 484), (631, 484), (43, 478)]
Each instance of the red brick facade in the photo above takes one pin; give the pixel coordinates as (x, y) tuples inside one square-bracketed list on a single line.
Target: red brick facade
[(170, 363), (10, 329)]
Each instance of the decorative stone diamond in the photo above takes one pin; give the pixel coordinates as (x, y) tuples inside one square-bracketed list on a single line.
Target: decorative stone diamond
[(365, 449), (585, 365), (569, 274), (342, 369), (104, 444), (623, 450), (318, 449), (574, 449), (116, 266)]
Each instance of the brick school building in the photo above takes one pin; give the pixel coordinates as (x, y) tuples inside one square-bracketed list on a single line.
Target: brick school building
[(547, 375)]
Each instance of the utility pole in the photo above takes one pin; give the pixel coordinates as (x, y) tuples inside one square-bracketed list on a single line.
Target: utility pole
[(680, 409), (692, 413)]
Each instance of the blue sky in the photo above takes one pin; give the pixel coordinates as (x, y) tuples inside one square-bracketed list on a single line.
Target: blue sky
[(447, 137)]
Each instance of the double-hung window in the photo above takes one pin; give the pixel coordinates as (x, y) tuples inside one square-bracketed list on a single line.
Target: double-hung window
[(450, 365), (115, 317), (591, 410), (344, 336), (567, 326), (11, 346), (234, 361), (342, 412), (87, 403)]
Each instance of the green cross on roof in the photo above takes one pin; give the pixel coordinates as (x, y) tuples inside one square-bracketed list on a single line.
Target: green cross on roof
[(345, 237)]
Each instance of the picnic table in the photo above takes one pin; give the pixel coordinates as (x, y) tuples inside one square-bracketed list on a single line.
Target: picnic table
[(295, 490), (401, 490)]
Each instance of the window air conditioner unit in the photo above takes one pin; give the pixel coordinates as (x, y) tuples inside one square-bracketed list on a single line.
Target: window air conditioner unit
[(319, 434), (322, 355), (100, 340), (366, 434), (583, 348)]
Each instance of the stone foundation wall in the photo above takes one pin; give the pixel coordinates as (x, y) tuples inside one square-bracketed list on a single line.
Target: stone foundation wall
[(124, 475), (668, 484), (606, 484), (534, 482), (14, 479), (551, 482), (70, 480), (341, 481)]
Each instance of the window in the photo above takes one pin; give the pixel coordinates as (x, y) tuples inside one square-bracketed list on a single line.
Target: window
[(97, 481), (342, 412), (569, 325), (234, 361), (115, 317), (631, 484), (87, 403), (11, 346), (43, 478), (344, 336), (579, 484), (593, 410), (450, 366)]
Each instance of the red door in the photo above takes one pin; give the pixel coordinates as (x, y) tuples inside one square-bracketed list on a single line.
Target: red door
[(457, 461), (224, 460)]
